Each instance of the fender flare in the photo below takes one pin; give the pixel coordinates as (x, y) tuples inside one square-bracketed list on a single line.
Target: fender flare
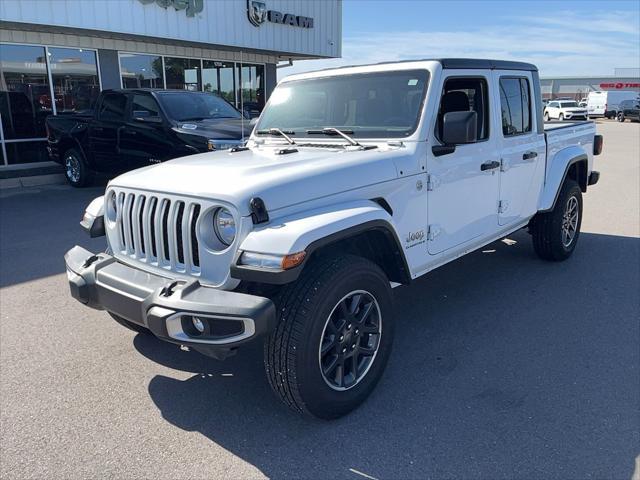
[(310, 231), (557, 174)]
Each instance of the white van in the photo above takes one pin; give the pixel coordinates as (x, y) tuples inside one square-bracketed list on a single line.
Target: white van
[(605, 103)]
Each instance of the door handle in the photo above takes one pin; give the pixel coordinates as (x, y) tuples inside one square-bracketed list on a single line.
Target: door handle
[(529, 155), (489, 165)]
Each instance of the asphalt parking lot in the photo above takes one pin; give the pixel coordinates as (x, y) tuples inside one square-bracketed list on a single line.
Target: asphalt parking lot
[(504, 366)]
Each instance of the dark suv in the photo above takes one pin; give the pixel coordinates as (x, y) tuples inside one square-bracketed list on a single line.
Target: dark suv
[(629, 109)]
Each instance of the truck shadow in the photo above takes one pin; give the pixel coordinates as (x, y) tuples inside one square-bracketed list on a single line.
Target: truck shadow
[(502, 363)]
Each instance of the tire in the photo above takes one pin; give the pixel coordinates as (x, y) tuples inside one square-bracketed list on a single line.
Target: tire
[(311, 313), (620, 117), (130, 325), (561, 117), (546, 116), (75, 169), (550, 239)]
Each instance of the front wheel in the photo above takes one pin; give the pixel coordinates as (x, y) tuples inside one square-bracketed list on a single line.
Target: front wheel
[(620, 117), (76, 171), (546, 116), (555, 233), (561, 117), (333, 339)]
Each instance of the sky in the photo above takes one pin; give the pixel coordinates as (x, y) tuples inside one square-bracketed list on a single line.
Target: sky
[(562, 37)]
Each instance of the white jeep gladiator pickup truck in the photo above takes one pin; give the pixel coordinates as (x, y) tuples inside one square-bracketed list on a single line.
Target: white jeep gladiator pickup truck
[(354, 181)]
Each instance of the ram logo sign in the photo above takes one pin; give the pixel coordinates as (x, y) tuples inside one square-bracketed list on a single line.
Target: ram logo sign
[(257, 13), (191, 7)]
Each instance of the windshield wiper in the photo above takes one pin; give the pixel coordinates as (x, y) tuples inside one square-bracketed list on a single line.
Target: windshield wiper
[(276, 131), (335, 131)]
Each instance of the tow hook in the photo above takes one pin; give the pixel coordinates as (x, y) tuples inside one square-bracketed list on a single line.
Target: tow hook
[(169, 289), (90, 261)]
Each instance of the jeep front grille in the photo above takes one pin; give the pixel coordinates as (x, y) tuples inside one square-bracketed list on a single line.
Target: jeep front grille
[(159, 231)]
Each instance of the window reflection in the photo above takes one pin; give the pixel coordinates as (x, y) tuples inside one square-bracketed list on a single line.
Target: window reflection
[(25, 96), (251, 89), (75, 79), (183, 73), (218, 77), (141, 71)]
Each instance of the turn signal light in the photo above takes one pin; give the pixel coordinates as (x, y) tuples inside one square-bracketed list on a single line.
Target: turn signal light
[(293, 260)]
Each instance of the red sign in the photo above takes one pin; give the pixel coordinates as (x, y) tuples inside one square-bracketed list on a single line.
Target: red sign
[(619, 85)]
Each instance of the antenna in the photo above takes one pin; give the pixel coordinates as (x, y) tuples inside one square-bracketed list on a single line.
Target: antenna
[(241, 100)]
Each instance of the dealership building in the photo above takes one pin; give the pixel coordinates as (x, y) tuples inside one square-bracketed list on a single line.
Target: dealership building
[(56, 55)]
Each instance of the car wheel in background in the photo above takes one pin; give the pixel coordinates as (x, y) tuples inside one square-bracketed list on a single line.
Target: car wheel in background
[(620, 117), (561, 117), (75, 169), (546, 116)]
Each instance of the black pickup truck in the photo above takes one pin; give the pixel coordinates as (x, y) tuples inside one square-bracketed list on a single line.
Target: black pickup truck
[(133, 128)]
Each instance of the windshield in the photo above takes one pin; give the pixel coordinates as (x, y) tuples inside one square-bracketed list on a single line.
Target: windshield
[(195, 106), (371, 105), (568, 104)]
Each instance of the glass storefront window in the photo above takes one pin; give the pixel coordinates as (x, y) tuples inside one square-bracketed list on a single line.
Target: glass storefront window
[(251, 80), (183, 73), (75, 79), (218, 77), (25, 96), (141, 71)]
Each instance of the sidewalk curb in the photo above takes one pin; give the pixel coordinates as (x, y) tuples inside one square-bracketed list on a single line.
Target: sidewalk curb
[(34, 181)]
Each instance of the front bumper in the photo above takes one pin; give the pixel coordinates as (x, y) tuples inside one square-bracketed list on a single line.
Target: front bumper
[(166, 306)]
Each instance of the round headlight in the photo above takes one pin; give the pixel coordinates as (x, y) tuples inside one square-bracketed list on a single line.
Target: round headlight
[(225, 226)]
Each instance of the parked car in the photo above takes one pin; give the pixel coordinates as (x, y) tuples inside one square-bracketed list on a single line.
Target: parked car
[(606, 103), (564, 110), (629, 110), (298, 238), (134, 128)]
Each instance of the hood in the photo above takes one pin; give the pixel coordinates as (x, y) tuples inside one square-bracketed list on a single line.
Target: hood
[(217, 128), (280, 180), (574, 109)]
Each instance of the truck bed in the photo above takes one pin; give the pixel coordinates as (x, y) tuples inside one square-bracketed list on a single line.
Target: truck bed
[(561, 135)]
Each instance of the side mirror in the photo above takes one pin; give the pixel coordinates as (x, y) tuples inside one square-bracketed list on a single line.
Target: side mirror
[(145, 117), (459, 128)]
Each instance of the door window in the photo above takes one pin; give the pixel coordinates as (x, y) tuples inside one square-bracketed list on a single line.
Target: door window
[(466, 94), (113, 106), (144, 106), (515, 103)]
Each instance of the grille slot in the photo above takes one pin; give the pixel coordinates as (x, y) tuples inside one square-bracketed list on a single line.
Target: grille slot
[(159, 231)]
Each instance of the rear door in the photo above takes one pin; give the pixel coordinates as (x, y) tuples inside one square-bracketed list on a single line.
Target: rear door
[(462, 201), (522, 147), (104, 131)]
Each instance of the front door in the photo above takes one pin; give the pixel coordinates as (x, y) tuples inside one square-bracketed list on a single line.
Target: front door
[(105, 129), (463, 185), (145, 140), (522, 147)]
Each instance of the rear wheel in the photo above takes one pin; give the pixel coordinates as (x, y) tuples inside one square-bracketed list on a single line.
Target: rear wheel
[(76, 171), (333, 339), (555, 233), (130, 325), (620, 117)]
